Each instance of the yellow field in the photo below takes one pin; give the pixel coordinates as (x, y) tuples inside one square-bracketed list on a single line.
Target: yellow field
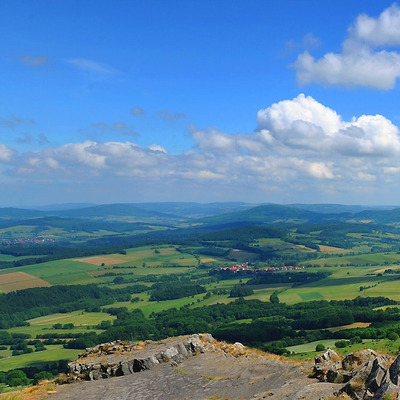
[(331, 249), (20, 280), (350, 326)]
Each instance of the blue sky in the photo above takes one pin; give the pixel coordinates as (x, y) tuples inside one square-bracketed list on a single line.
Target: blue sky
[(259, 101)]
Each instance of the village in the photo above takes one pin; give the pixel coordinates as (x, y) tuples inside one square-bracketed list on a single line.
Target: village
[(246, 268), (34, 240)]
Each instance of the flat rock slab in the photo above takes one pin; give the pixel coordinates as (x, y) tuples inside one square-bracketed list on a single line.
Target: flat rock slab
[(209, 375)]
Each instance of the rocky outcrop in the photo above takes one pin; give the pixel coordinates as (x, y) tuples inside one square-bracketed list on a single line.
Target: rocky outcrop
[(123, 358), (366, 375), (198, 367)]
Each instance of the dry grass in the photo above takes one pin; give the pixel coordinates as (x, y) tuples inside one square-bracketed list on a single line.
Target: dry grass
[(357, 384), (11, 396), (390, 396), (217, 397), (212, 398), (342, 396), (37, 392), (40, 391)]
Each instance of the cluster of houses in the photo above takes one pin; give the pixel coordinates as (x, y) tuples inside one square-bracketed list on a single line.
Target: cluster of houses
[(245, 267), (34, 240)]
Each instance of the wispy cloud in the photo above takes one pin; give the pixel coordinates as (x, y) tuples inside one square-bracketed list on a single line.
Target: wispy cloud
[(28, 138), (309, 42), (170, 115), (12, 121), (91, 67), (33, 61), (138, 111), (119, 127)]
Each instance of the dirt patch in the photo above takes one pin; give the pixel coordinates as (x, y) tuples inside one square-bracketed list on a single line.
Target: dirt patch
[(20, 280)]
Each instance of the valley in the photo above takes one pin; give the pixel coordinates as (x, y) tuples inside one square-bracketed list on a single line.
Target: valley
[(311, 278)]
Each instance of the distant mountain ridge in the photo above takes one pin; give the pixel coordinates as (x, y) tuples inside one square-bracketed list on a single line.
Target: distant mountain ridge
[(211, 214), (108, 210), (273, 213), (339, 208), (63, 206)]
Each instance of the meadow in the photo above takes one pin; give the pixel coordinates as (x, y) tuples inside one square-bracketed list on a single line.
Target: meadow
[(54, 353), (137, 262)]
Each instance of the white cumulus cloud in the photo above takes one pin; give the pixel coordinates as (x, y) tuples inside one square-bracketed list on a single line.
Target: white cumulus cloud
[(363, 60), (299, 145), (381, 31)]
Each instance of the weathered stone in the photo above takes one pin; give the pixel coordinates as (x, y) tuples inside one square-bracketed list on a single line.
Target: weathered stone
[(394, 371), (328, 355), (239, 345), (377, 375), (182, 350), (354, 360), (123, 369), (327, 363)]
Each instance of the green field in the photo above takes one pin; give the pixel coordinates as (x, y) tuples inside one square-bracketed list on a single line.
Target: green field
[(307, 351), (57, 272), (81, 320), (53, 353), (145, 260), (359, 260)]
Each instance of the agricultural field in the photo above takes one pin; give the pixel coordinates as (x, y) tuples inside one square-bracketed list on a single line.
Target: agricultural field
[(307, 351), (151, 256), (54, 353), (81, 320), (57, 272), (137, 262), (19, 281), (387, 258)]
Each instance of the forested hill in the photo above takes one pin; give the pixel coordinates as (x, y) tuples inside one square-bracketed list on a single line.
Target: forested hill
[(196, 210), (161, 220), (110, 211), (210, 212), (13, 213), (379, 216), (273, 213), (338, 208)]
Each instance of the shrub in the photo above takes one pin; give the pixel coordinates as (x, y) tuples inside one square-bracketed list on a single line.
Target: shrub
[(355, 339), (241, 291), (319, 347), (392, 336), (342, 343)]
